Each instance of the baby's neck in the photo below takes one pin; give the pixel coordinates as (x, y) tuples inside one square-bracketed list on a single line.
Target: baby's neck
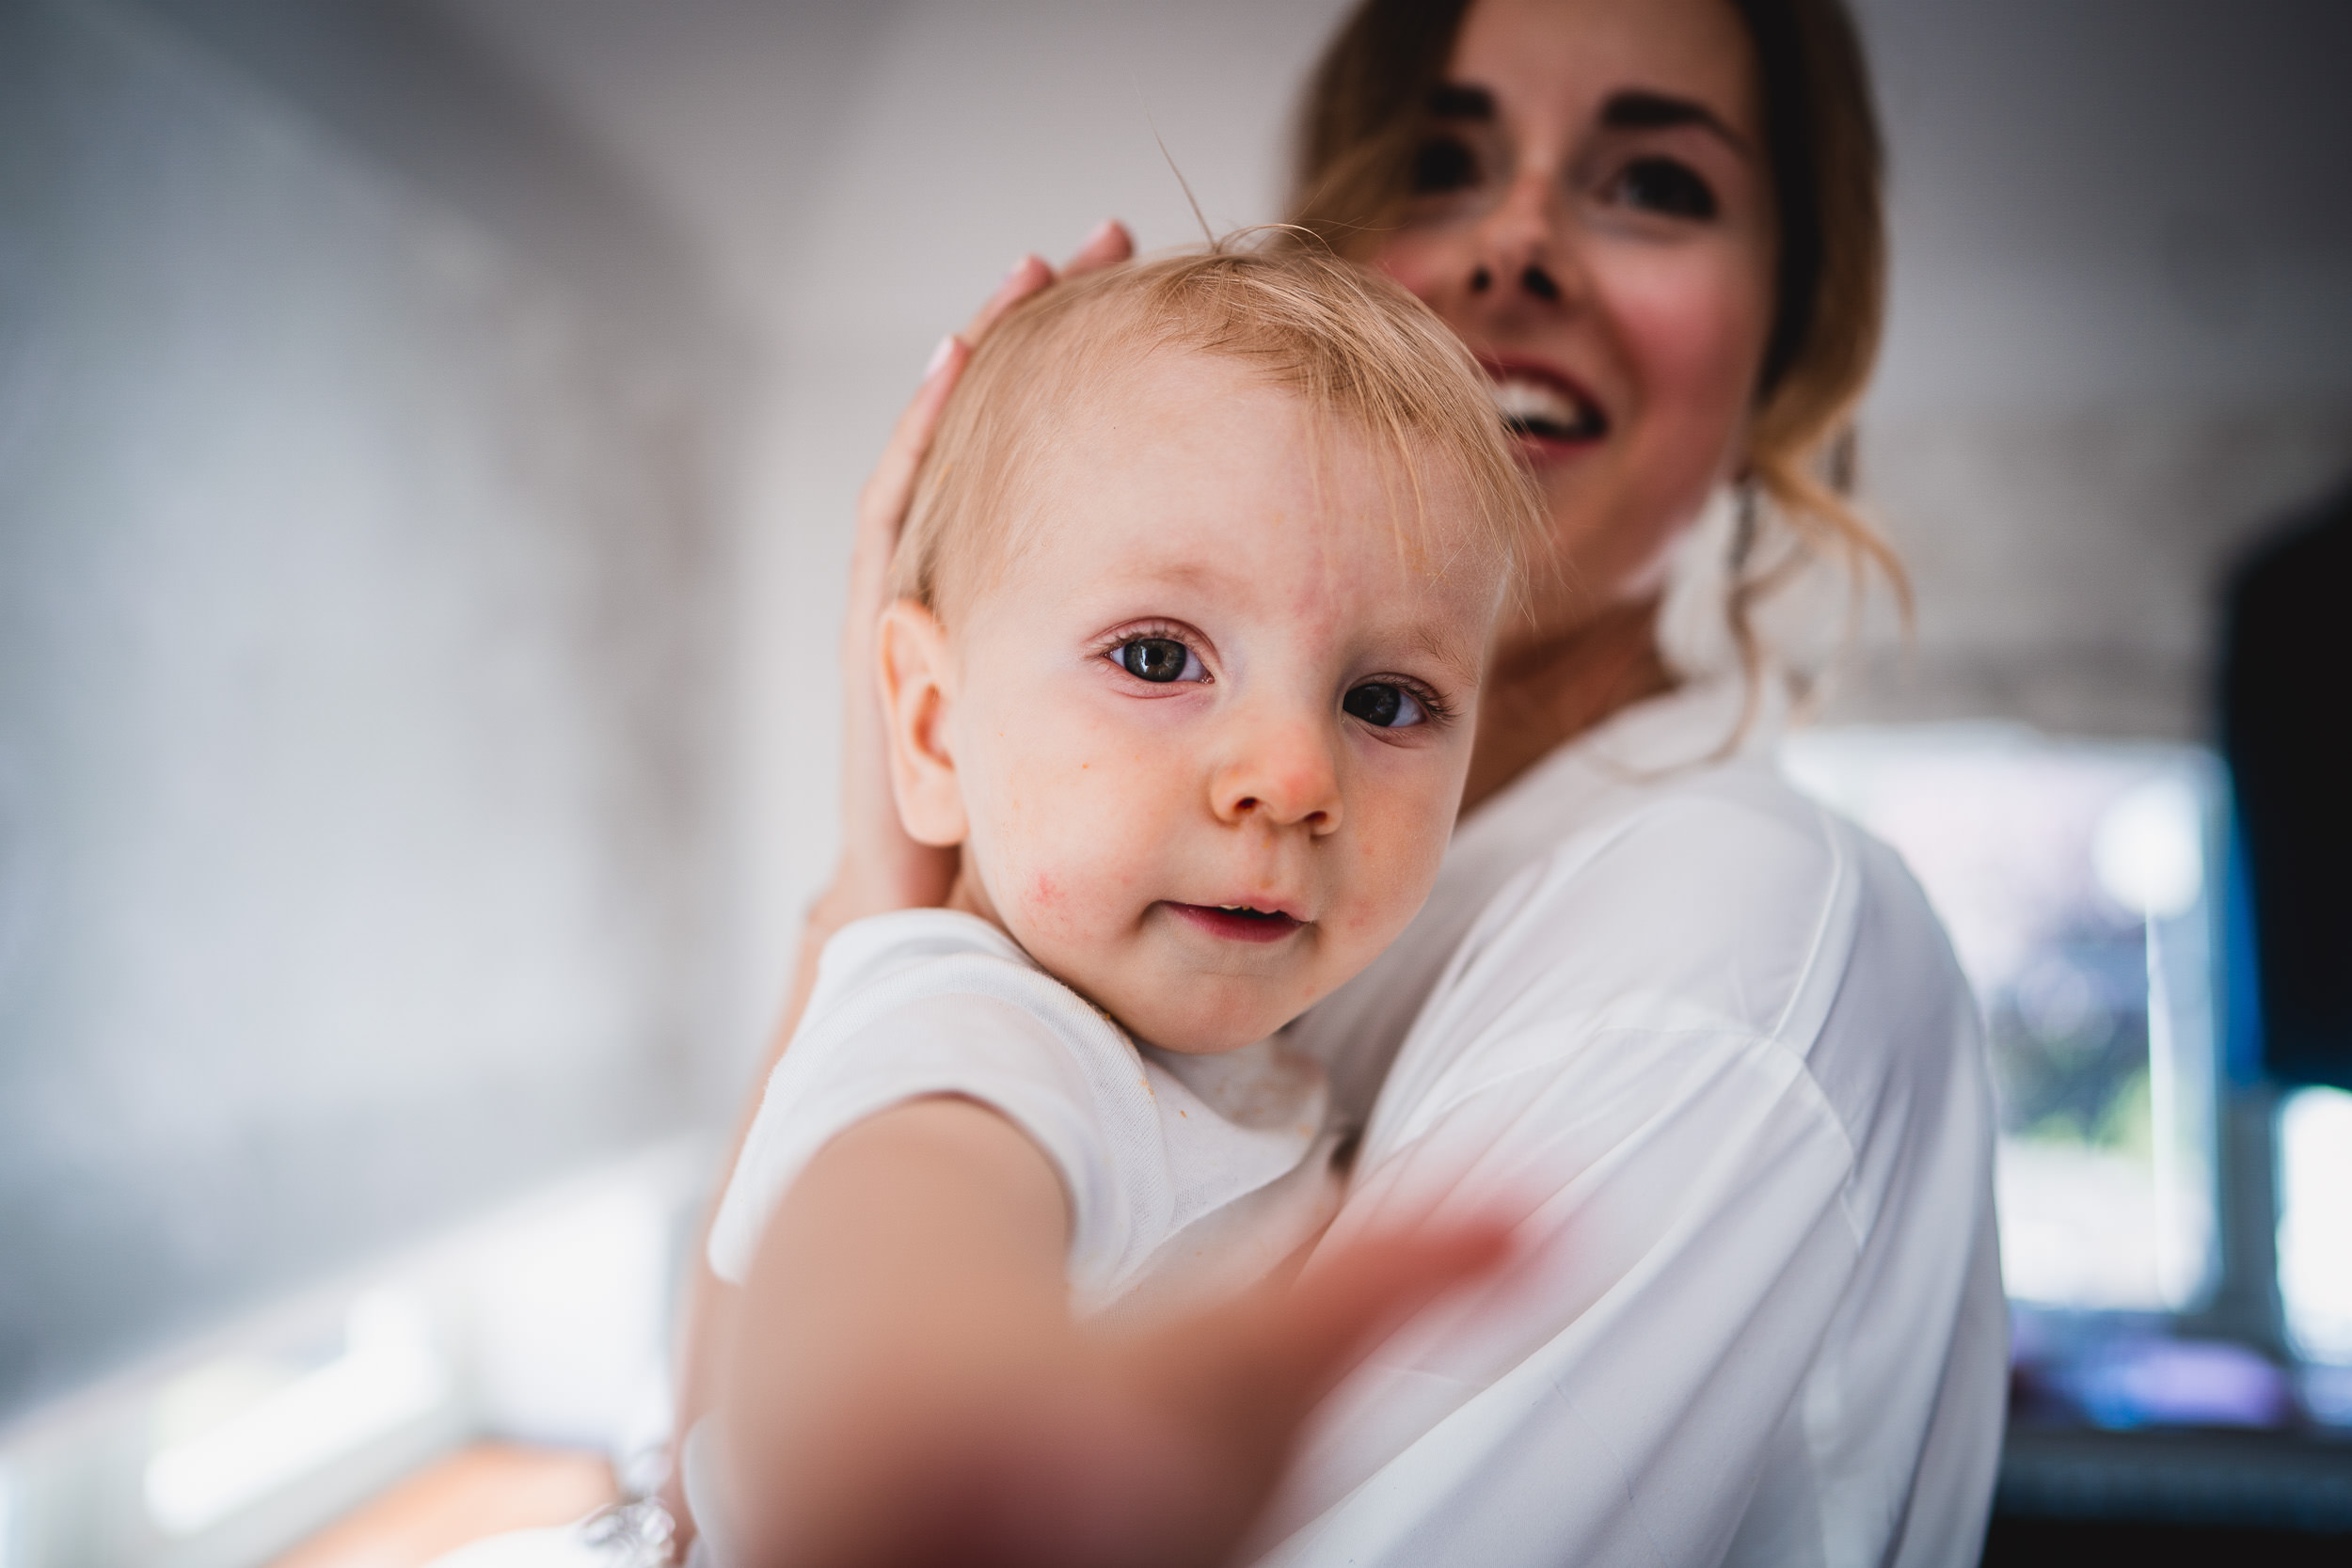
[(967, 895)]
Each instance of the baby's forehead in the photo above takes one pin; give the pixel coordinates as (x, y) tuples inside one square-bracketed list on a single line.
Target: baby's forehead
[(1183, 423), (1215, 483)]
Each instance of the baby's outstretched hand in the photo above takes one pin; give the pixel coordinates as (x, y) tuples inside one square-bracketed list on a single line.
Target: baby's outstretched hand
[(1155, 1450)]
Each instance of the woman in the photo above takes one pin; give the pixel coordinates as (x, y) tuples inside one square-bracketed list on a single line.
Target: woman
[(1705, 1040), (1712, 1036)]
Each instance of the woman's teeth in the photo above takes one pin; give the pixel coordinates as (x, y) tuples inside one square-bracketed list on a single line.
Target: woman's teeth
[(1539, 408)]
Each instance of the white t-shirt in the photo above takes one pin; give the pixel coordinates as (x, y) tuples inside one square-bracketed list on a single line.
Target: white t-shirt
[(1709, 1042), (1186, 1175)]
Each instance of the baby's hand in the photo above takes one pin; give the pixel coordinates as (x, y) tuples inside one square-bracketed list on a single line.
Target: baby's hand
[(1154, 1450)]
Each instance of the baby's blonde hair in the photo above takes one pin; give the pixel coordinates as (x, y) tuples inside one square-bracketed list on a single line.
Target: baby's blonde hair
[(1347, 340)]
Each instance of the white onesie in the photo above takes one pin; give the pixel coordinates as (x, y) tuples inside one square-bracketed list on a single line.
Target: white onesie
[(1187, 1176)]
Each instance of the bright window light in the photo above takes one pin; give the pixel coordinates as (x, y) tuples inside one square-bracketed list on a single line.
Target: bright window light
[(2315, 1225), (2072, 876), (388, 1375)]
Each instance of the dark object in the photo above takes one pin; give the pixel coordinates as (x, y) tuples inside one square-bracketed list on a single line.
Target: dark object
[(2287, 728), (2269, 1484), (2078, 1543)]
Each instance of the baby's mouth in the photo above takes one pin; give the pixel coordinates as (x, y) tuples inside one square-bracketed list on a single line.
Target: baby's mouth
[(1540, 406), (1237, 922)]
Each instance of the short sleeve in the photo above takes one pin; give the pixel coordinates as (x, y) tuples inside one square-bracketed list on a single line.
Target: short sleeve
[(1156, 1153), (1008, 1038)]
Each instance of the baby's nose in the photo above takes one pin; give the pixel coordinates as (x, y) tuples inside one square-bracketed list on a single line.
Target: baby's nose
[(1283, 774)]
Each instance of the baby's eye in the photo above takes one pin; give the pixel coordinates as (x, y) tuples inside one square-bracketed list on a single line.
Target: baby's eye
[(1665, 185), (1159, 659), (1384, 706)]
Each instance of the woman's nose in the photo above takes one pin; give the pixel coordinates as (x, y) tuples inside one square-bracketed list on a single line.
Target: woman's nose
[(1523, 249), (1281, 772)]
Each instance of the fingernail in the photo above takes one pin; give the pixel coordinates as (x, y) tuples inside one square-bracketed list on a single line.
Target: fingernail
[(939, 355), (1014, 271), (1102, 230)]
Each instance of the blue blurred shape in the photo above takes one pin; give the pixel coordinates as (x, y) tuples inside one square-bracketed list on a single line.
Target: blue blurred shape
[(2136, 1381)]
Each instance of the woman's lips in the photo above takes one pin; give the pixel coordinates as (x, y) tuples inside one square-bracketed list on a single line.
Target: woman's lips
[(1237, 923), (1543, 408)]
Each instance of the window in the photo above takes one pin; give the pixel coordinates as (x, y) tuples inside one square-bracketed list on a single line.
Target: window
[(2073, 876), (2315, 1229)]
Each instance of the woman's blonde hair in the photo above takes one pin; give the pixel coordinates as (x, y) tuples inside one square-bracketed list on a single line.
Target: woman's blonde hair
[(1348, 341), (1367, 111)]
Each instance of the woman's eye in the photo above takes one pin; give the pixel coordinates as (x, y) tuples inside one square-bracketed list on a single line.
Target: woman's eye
[(1384, 706), (1664, 185), (1159, 659), (1441, 163)]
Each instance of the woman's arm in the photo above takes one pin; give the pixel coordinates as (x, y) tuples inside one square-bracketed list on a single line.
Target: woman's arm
[(881, 868), (907, 1385)]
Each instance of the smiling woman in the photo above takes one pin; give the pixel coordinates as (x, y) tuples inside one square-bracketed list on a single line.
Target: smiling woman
[(1706, 1039), (1687, 289)]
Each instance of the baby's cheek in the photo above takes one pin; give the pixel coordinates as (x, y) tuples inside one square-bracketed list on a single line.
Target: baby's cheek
[(1395, 865), (1077, 874)]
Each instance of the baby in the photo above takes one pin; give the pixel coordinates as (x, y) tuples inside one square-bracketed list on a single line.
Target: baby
[(1195, 592)]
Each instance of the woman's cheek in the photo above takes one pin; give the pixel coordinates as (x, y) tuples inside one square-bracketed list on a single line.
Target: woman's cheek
[(1421, 262), (1693, 332)]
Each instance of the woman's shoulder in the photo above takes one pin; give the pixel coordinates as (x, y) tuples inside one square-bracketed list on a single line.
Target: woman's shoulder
[(1721, 923), (1632, 887), (1722, 893)]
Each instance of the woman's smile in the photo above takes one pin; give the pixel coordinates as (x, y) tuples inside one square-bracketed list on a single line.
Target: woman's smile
[(1551, 414)]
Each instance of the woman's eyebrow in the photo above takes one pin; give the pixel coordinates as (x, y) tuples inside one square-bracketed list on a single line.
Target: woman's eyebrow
[(1640, 110), (1461, 101)]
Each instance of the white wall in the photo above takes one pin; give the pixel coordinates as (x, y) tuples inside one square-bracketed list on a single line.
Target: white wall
[(2121, 345), (354, 569)]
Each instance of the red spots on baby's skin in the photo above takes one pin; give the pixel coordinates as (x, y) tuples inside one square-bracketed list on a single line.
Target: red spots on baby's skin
[(1046, 890)]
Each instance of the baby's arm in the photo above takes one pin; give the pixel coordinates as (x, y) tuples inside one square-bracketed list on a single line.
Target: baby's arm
[(908, 1384), (910, 1276)]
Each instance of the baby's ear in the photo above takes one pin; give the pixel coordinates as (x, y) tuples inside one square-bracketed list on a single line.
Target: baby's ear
[(917, 686)]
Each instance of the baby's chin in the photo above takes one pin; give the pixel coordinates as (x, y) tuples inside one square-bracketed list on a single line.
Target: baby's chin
[(1200, 1015), (1184, 1031)]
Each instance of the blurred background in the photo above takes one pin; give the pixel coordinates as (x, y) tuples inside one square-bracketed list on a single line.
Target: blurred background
[(427, 439)]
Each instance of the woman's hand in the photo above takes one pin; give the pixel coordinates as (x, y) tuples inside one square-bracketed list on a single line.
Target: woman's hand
[(881, 869)]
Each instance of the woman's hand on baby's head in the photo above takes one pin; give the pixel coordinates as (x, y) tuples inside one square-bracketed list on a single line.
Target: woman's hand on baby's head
[(882, 867)]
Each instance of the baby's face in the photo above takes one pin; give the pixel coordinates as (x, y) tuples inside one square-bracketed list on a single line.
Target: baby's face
[(1203, 733)]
